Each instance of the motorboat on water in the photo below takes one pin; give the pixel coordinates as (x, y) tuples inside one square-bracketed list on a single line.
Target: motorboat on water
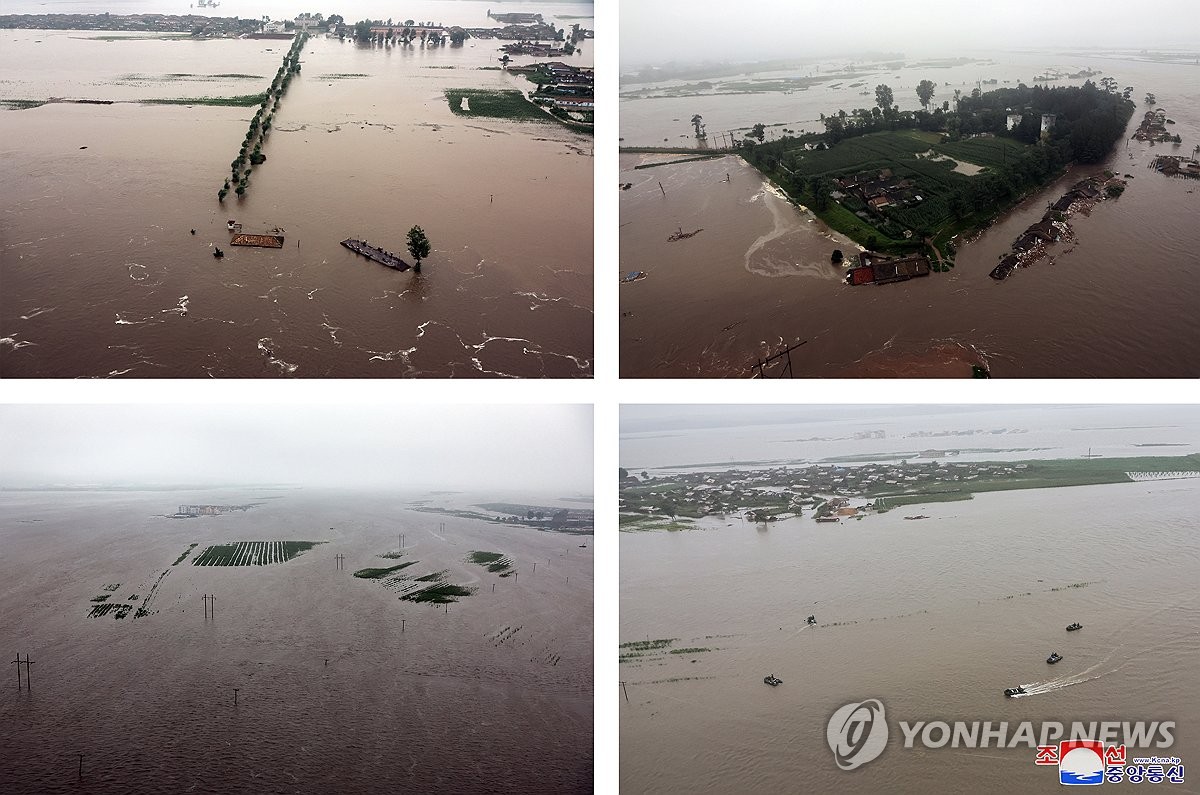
[(1053, 658), (772, 680), (812, 619), (1019, 690), (1074, 626)]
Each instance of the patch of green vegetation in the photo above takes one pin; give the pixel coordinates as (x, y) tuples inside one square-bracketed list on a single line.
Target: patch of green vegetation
[(695, 650), (391, 555), (1057, 473), (133, 597), (884, 504), (495, 562), (377, 574), (112, 586), (241, 101), (991, 152), (647, 524), (139, 37), (648, 645), (252, 553), (677, 162), (439, 594), (101, 598), (186, 552), (22, 104), (115, 610), (436, 576), (1073, 585), (494, 103)]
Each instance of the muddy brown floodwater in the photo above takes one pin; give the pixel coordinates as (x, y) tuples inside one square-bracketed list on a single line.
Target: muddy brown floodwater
[(101, 276), (1118, 303), (341, 686), (935, 617)]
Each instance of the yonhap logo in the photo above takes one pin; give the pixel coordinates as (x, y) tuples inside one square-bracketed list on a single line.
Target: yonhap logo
[(857, 733)]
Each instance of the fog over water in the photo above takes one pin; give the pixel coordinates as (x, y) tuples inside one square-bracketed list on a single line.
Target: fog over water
[(473, 447), (783, 29)]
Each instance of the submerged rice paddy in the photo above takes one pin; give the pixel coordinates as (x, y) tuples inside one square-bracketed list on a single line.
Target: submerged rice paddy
[(252, 553)]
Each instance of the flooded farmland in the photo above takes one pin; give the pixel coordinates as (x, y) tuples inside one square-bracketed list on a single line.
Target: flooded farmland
[(934, 608), (758, 277), (102, 276), (341, 684)]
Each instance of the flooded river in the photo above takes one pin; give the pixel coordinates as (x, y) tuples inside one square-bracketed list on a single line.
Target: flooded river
[(757, 277), (935, 617), (102, 277), (341, 686)]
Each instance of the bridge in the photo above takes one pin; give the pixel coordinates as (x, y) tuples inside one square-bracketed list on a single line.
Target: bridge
[(1140, 476)]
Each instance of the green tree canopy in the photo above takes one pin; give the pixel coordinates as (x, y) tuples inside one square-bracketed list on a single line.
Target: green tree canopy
[(418, 246), (925, 92), (883, 97)]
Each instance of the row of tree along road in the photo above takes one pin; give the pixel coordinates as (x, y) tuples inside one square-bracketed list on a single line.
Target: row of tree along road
[(250, 154)]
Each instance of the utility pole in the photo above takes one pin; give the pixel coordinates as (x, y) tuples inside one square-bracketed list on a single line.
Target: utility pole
[(210, 607), (664, 190), (535, 568), (340, 560), (28, 678), (17, 662), (626, 692), (235, 692)]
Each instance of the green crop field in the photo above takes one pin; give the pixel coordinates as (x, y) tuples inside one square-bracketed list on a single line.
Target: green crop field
[(865, 153), (496, 104), (990, 152), (379, 574), (115, 610), (439, 594), (252, 553), (494, 561)]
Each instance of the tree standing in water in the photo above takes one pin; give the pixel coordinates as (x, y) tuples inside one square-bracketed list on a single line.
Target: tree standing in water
[(925, 92), (418, 246)]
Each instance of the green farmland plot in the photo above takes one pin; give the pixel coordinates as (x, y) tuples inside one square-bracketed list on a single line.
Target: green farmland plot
[(252, 553), (989, 152), (495, 562)]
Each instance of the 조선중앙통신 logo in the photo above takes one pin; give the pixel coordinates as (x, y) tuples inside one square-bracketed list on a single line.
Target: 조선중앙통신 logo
[(1090, 763), (857, 733)]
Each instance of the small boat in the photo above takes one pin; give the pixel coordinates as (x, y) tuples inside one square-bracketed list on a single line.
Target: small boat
[(1015, 691), (1074, 626), (772, 680), (633, 276), (812, 619), (218, 253), (1053, 658)]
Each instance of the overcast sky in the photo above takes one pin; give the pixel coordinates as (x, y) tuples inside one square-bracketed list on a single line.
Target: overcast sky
[(527, 448), (656, 31), (653, 418)]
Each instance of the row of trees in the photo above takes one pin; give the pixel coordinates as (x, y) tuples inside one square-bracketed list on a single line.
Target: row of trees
[(1091, 120), (405, 34), (250, 154)]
